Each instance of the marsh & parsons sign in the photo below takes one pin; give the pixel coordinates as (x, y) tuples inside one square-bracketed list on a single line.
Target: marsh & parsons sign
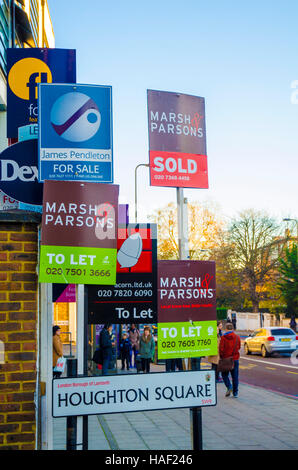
[(79, 233), (177, 140), (187, 325), (133, 392)]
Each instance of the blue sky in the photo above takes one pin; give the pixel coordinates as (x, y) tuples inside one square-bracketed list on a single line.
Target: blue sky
[(241, 56)]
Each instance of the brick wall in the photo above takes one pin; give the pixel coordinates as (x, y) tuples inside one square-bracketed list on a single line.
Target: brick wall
[(18, 316)]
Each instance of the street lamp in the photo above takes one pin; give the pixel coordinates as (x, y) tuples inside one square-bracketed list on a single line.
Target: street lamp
[(136, 191), (287, 219)]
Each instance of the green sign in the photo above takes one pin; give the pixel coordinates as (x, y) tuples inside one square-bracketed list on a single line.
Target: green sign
[(77, 265), (185, 339)]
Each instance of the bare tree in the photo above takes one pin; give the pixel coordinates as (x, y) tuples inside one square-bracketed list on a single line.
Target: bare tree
[(256, 242)]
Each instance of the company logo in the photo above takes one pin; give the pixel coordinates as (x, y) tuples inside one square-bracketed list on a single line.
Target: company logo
[(11, 171), (130, 251), (24, 76), (75, 117)]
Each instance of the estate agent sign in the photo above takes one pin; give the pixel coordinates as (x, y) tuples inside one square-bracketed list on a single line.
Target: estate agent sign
[(79, 233), (187, 324), (177, 140), (133, 299)]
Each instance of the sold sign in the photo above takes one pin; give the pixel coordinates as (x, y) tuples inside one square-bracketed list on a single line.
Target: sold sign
[(178, 169), (177, 140)]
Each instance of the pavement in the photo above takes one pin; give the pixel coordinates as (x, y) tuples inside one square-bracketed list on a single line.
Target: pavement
[(257, 420)]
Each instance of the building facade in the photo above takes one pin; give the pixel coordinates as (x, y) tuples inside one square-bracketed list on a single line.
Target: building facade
[(23, 24)]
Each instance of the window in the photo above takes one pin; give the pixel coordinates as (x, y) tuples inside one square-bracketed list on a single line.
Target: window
[(34, 19), (4, 33), (282, 332)]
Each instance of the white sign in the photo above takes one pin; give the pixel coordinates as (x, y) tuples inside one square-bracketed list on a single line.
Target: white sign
[(133, 392)]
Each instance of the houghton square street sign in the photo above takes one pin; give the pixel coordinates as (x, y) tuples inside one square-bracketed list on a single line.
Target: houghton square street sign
[(177, 140), (26, 68), (133, 299), (79, 233), (78, 396), (75, 133)]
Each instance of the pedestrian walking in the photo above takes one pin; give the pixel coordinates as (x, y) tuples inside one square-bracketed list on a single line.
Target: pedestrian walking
[(125, 350), (134, 337), (106, 346), (215, 359), (229, 346), (172, 364), (147, 349), (293, 323), (57, 348), (219, 328)]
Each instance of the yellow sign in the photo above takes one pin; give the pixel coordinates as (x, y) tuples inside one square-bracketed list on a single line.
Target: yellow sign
[(25, 75)]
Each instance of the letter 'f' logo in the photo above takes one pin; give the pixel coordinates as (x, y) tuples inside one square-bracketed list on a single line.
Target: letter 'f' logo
[(33, 81), (24, 76)]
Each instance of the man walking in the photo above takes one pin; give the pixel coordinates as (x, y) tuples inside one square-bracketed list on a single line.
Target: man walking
[(105, 344), (229, 346)]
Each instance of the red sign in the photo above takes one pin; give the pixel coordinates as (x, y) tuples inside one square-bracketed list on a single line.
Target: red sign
[(178, 169)]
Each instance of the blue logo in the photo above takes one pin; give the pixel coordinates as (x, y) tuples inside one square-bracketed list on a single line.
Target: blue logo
[(75, 117)]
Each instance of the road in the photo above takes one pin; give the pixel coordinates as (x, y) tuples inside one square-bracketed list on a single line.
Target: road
[(276, 373)]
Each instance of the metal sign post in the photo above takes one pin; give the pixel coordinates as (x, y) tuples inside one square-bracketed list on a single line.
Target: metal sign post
[(82, 421), (196, 412), (46, 365)]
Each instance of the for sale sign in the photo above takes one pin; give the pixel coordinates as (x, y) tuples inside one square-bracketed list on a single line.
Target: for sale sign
[(133, 299), (79, 233), (132, 392), (186, 309), (177, 140)]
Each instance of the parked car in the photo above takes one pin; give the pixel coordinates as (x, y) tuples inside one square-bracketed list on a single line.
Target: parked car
[(270, 340)]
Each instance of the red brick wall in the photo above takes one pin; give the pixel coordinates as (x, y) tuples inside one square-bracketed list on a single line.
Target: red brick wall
[(18, 316)]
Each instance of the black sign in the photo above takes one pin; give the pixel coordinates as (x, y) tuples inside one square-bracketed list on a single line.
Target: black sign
[(19, 172), (133, 299)]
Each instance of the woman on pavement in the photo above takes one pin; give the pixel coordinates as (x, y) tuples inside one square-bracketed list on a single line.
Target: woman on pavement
[(57, 348), (147, 349)]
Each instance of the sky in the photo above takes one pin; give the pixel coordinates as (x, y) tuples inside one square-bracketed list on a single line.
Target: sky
[(242, 57)]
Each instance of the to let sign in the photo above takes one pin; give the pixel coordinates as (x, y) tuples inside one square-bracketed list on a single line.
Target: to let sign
[(133, 299), (187, 324), (79, 233)]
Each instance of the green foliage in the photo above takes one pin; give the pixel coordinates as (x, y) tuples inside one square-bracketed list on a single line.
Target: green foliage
[(221, 313), (288, 283)]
